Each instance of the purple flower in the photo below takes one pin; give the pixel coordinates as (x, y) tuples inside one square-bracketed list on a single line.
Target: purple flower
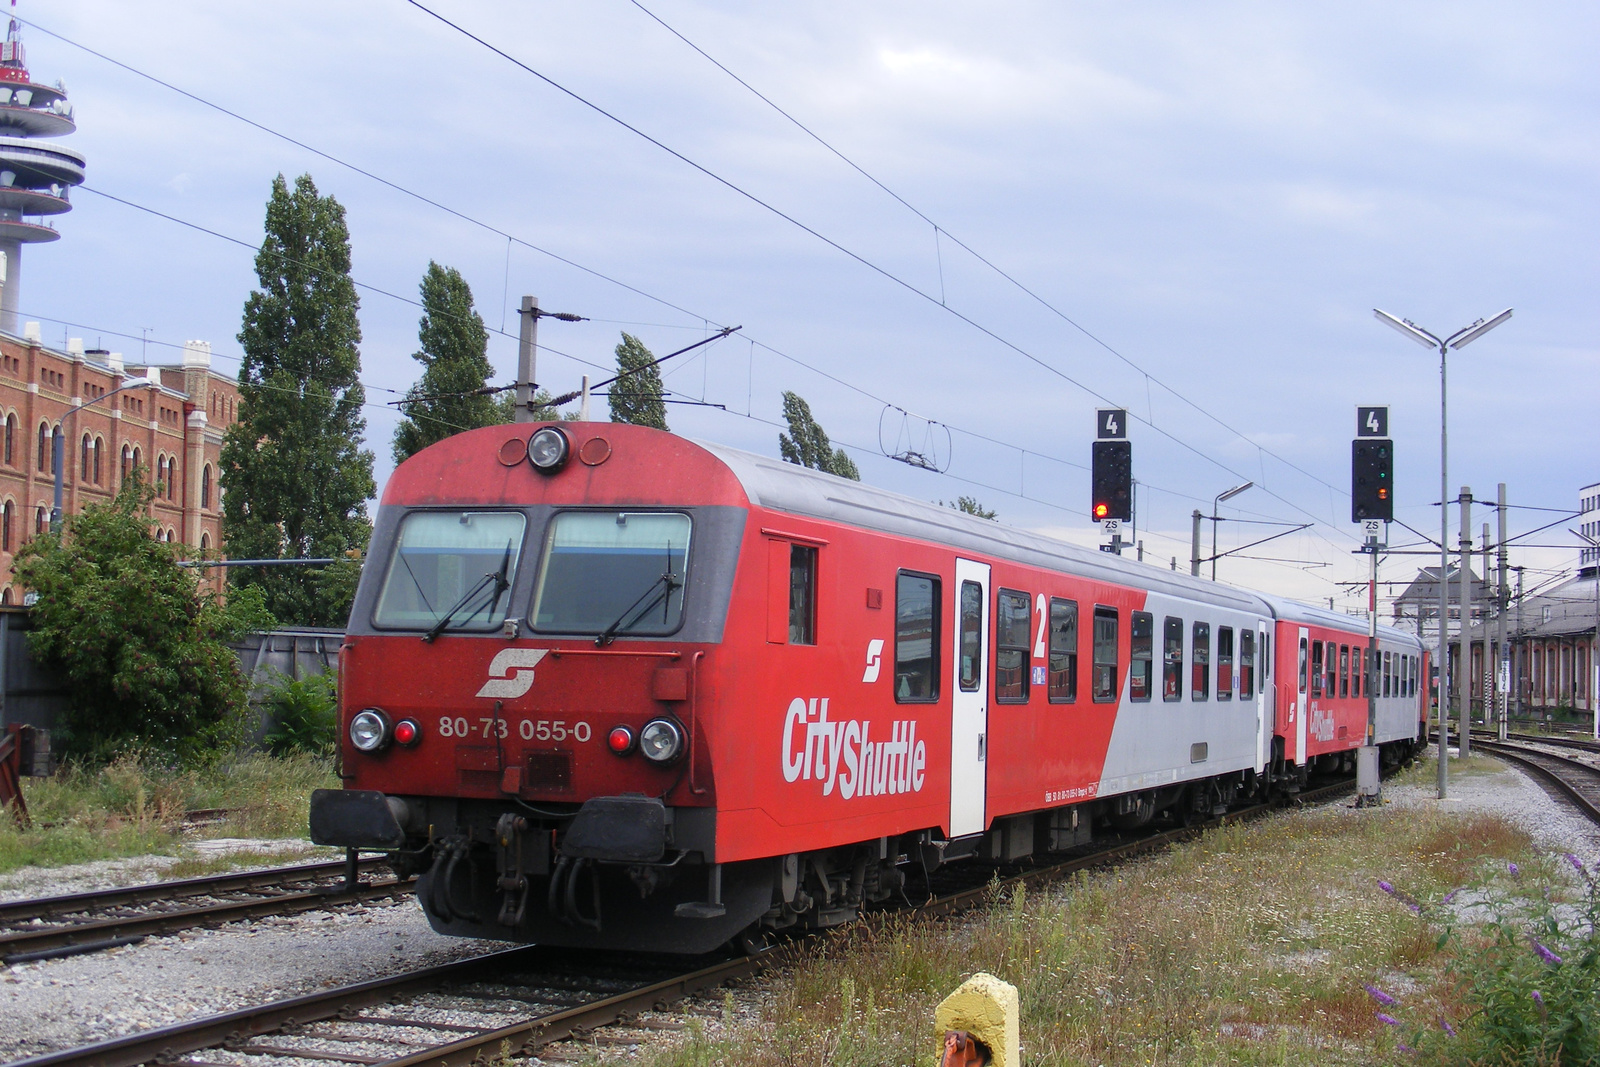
[(1538, 999), (1387, 1020), (1448, 897), (1380, 996), (1544, 953), (1403, 1047), (1577, 865), (1414, 906), (1386, 887), (1516, 872), (1444, 1024)]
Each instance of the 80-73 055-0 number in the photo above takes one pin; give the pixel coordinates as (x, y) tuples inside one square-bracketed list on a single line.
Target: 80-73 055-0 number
[(487, 726)]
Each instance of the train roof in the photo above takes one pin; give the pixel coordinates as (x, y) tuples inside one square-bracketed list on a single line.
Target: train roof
[(1293, 611), (783, 486)]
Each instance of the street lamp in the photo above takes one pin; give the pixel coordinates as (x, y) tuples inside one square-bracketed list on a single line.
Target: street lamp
[(1594, 669), (1458, 340), (1215, 502)]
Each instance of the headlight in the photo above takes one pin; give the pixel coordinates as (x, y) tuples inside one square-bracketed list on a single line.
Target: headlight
[(661, 740), (369, 730), (547, 450)]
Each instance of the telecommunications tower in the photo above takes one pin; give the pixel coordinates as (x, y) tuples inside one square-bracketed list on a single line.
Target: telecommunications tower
[(34, 178)]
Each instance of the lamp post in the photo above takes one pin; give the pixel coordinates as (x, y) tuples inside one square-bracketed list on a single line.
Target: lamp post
[(1458, 340), (59, 439), (1594, 670), (1216, 501)]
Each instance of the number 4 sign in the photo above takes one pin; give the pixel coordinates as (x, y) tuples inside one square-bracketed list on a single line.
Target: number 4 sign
[(1372, 421), (1112, 423)]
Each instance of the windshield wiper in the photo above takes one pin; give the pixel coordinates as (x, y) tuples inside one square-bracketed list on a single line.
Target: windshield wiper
[(501, 584), (668, 582)]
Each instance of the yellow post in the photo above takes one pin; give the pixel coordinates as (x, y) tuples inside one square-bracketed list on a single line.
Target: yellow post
[(987, 1008)]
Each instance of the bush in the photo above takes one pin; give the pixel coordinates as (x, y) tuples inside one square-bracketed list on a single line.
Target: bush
[(305, 714), (143, 651)]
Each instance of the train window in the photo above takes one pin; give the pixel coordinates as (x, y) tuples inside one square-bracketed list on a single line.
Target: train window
[(1063, 651), (971, 637), (1141, 655), (1013, 614), (1224, 663), (916, 638), (612, 572), (451, 559), (1200, 662), (1332, 688), (1316, 668), (802, 595), (1302, 665), (1266, 658), (1105, 655), (1172, 659), (1247, 664), (1344, 670), (1412, 689), (1387, 673)]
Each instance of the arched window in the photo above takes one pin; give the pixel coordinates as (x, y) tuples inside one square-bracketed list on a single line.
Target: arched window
[(172, 477), (85, 449), (5, 596), (11, 440), (99, 450), (161, 474), (43, 458), (58, 438), (127, 461), (6, 513), (205, 486), (41, 520), (138, 457), (205, 543)]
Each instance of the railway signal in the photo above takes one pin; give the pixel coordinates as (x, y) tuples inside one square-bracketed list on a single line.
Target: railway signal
[(1111, 469), (1371, 479)]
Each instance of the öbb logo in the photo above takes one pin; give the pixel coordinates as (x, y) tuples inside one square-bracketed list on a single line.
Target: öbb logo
[(843, 753), (511, 672)]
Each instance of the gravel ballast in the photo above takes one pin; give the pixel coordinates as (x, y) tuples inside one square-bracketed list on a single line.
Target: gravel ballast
[(57, 1004)]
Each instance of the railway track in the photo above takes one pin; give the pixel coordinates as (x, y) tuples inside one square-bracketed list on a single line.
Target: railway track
[(1582, 744), (44, 927), (514, 1002), (1577, 781)]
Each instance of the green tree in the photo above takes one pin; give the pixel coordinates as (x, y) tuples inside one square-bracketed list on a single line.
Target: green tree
[(636, 394), (455, 358), (142, 649), (968, 505), (807, 443), (297, 478)]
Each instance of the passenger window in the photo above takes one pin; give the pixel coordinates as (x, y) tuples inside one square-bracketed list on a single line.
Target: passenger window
[(1172, 659), (1225, 663), (1387, 673), (1332, 688), (1302, 665), (1316, 668), (971, 639), (1063, 651), (1247, 664), (1266, 658), (916, 638), (1344, 670), (1141, 669), (1014, 614), (1200, 660), (1105, 655), (802, 595)]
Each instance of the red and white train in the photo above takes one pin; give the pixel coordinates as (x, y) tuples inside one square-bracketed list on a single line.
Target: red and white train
[(604, 686)]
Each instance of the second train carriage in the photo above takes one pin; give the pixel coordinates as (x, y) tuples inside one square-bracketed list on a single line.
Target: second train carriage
[(606, 686)]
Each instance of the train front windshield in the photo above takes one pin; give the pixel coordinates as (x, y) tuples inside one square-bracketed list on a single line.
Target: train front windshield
[(452, 570), (612, 573)]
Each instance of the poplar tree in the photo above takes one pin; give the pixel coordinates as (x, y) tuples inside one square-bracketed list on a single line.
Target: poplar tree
[(636, 394), (807, 442), (296, 477), (454, 353)]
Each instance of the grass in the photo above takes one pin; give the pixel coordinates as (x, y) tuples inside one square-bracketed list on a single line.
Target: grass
[(133, 807), (1250, 945)]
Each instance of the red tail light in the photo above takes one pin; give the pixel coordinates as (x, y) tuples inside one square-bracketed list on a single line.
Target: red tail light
[(620, 740), (407, 732)]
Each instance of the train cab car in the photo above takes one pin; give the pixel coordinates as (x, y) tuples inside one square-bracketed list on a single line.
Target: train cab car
[(603, 686)]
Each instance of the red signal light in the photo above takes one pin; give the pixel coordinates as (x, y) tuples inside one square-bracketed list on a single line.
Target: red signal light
[(620, 740), (406, 732), (1100, 511)]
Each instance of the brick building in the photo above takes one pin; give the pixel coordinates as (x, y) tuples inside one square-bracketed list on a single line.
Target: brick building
[(168, 420)]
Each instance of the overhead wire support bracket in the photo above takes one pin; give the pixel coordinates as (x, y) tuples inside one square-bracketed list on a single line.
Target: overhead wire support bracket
[(567, 398), (924, 454)]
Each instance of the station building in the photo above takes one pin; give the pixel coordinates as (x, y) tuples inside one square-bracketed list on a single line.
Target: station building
[(167, 419)]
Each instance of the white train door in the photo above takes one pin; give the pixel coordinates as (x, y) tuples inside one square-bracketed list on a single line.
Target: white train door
[(1299, 712), (1266, 699), (969, 700)]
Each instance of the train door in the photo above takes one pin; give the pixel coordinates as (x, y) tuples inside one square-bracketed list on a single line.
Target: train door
[(1266, 695), (1298, 712), (969, 701)]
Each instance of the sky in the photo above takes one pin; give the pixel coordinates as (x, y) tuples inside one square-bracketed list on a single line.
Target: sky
[(1188, 211)]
